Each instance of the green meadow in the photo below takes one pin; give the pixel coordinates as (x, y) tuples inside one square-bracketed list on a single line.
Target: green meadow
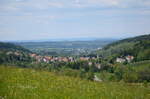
[(20, 83)]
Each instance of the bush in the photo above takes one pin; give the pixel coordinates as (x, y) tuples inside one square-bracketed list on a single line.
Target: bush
[(130, 77), (69, 72), (119, 71), (90, 76), (144, 75), (106, 76)]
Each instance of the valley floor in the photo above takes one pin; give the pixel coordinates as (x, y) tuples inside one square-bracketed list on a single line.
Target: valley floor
[(19, 83)]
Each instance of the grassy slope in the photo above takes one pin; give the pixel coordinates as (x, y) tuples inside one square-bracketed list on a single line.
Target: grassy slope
[(17, 83), (12, 47), (131, 46), (129, 40)]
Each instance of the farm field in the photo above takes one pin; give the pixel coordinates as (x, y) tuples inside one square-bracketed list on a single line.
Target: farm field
[(20, 83)]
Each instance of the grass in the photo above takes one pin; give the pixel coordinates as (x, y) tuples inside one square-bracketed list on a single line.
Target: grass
[(19, 83)]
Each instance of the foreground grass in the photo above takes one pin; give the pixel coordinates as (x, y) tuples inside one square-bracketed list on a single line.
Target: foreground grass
[(18, 83)]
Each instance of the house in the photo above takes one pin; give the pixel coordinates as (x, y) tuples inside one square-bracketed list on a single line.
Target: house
[(45, 60), (129, 58), (60, 59), (84, 58), (33, 55), (10, 52), (98, 66), (120, 60), (17, 53), (52, 60), (38, 58), (90, 63), (71, 59), (93, 58), (64, 59), (48, 57)]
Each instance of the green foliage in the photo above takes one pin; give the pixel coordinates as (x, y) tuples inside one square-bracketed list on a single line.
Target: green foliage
[(130, 76), (139, 47), (144, 55), (10, 53), (119, 71), (134, 39), (106, 76), (12, 47), (131, 73), (144, 75)]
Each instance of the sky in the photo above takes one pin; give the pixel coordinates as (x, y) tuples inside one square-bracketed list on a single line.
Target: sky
[(50, 19)]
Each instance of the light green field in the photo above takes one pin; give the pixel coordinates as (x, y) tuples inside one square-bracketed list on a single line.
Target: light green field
[(18, 83)]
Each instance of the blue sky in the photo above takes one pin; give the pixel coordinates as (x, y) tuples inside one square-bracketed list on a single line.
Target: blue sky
[(49, 19)]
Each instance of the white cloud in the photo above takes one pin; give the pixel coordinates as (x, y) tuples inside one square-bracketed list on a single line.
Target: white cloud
[(55, 4), (114, 3), (46, 4), (105, 2), (9, 7)]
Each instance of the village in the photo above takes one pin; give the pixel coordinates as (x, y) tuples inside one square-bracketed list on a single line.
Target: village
[(48, 59), (127, 58)]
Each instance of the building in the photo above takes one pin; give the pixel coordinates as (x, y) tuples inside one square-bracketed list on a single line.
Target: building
[(98, 66), (84, 58), (33, 55), (129, 58), (90, 63), (120, 60)]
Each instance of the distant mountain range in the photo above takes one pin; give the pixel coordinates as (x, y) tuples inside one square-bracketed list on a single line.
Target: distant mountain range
[(62, 39)]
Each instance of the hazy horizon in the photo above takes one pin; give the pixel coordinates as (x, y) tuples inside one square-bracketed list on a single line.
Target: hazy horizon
[(70, 39)]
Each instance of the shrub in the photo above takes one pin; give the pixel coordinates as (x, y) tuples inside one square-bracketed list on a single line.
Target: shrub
[(144, 75), (130, 77)]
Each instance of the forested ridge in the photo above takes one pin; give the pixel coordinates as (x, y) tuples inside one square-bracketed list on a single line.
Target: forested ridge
[(138, 46)]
